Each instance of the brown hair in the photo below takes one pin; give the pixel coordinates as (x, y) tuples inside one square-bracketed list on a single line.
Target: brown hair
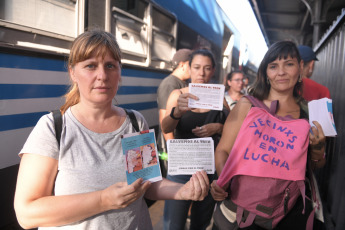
[(95, 42)]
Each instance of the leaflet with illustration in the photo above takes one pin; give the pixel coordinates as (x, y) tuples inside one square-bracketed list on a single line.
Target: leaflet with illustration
[(211, 96), (187, 156), (141, 156), (321, 111)]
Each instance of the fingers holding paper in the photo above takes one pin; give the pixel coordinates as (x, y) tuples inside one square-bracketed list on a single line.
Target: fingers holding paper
[(196, 188), (182, 101), (317, 141), (316, 136), (120, 195), (208, 130)]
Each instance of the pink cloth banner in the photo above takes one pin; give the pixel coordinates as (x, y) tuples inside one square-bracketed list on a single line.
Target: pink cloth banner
[(268, 147)]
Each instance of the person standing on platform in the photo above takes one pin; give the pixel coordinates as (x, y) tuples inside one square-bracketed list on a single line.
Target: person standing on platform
[(245, 85), (311, 89), (176, 80), (234, 85), (188, 123), (277, 89), (80, 181)]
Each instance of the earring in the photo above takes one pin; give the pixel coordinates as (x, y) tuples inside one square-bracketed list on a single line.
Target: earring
[(300, 78), (268, 81)]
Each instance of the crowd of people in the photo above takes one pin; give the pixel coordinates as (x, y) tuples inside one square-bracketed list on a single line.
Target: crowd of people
[(79, 182)]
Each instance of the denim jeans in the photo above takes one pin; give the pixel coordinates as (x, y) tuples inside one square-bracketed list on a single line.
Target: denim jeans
[(176, 211)]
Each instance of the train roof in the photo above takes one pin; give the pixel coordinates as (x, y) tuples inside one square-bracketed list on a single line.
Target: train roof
[(205, 17)]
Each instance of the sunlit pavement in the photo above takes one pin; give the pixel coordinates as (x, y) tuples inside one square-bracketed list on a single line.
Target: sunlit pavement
[(156, 213)]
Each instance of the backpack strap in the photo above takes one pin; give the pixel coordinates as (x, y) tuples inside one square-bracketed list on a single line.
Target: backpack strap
[(301, 187), (250, 218), (133, 119), (57, 116), (314, 198)]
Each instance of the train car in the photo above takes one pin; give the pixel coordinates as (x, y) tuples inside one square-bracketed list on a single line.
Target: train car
[(35, 36)]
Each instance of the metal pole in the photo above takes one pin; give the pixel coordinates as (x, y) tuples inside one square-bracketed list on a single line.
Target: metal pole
[(317, 21)]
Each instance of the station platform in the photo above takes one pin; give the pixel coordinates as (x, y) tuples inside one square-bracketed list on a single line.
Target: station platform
[(156, 214)]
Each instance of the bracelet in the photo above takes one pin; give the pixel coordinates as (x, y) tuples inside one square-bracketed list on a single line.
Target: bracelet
[(324, 155), (172, 114), (315, 160)]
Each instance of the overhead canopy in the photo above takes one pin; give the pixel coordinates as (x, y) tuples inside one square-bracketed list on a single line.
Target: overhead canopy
[(300, 21)]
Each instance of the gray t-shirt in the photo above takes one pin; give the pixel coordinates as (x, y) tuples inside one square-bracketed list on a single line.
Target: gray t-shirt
[(89, 161), (166, 87)]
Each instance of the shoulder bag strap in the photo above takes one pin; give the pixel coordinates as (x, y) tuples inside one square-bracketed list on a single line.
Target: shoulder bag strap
[(257, 103), (133, 119), (57, 124)]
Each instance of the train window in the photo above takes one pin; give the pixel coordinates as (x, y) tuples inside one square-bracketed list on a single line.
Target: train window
[(132, 30), (134, 7), (163, 21), (146, 34), (56, 16), (163, 38)]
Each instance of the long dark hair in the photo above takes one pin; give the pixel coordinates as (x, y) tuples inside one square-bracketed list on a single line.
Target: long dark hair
[(280, 50)]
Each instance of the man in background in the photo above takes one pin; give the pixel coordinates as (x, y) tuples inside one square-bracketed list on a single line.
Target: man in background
[(176, 80), (311, 89)]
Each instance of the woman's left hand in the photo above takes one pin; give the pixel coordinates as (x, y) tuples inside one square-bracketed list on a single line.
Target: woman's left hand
[(208, 130), (196, 188), (317, 141), (218, 193)]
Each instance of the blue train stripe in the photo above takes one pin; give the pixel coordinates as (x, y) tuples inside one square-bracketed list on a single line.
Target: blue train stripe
[(24, 120), (140, 106), (142, 74), (20, 91), (19, 121), (29, 62)]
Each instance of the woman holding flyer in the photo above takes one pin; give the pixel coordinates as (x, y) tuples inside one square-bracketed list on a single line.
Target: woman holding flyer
[(190, 123), (80, 183), (264, 147)]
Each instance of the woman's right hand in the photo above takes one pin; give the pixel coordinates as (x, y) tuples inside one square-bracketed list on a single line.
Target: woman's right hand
[(217, 192), (182, 103), (120, 195)]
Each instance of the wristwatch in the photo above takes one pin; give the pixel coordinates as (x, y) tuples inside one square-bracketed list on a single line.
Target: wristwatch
[(172, 114)]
